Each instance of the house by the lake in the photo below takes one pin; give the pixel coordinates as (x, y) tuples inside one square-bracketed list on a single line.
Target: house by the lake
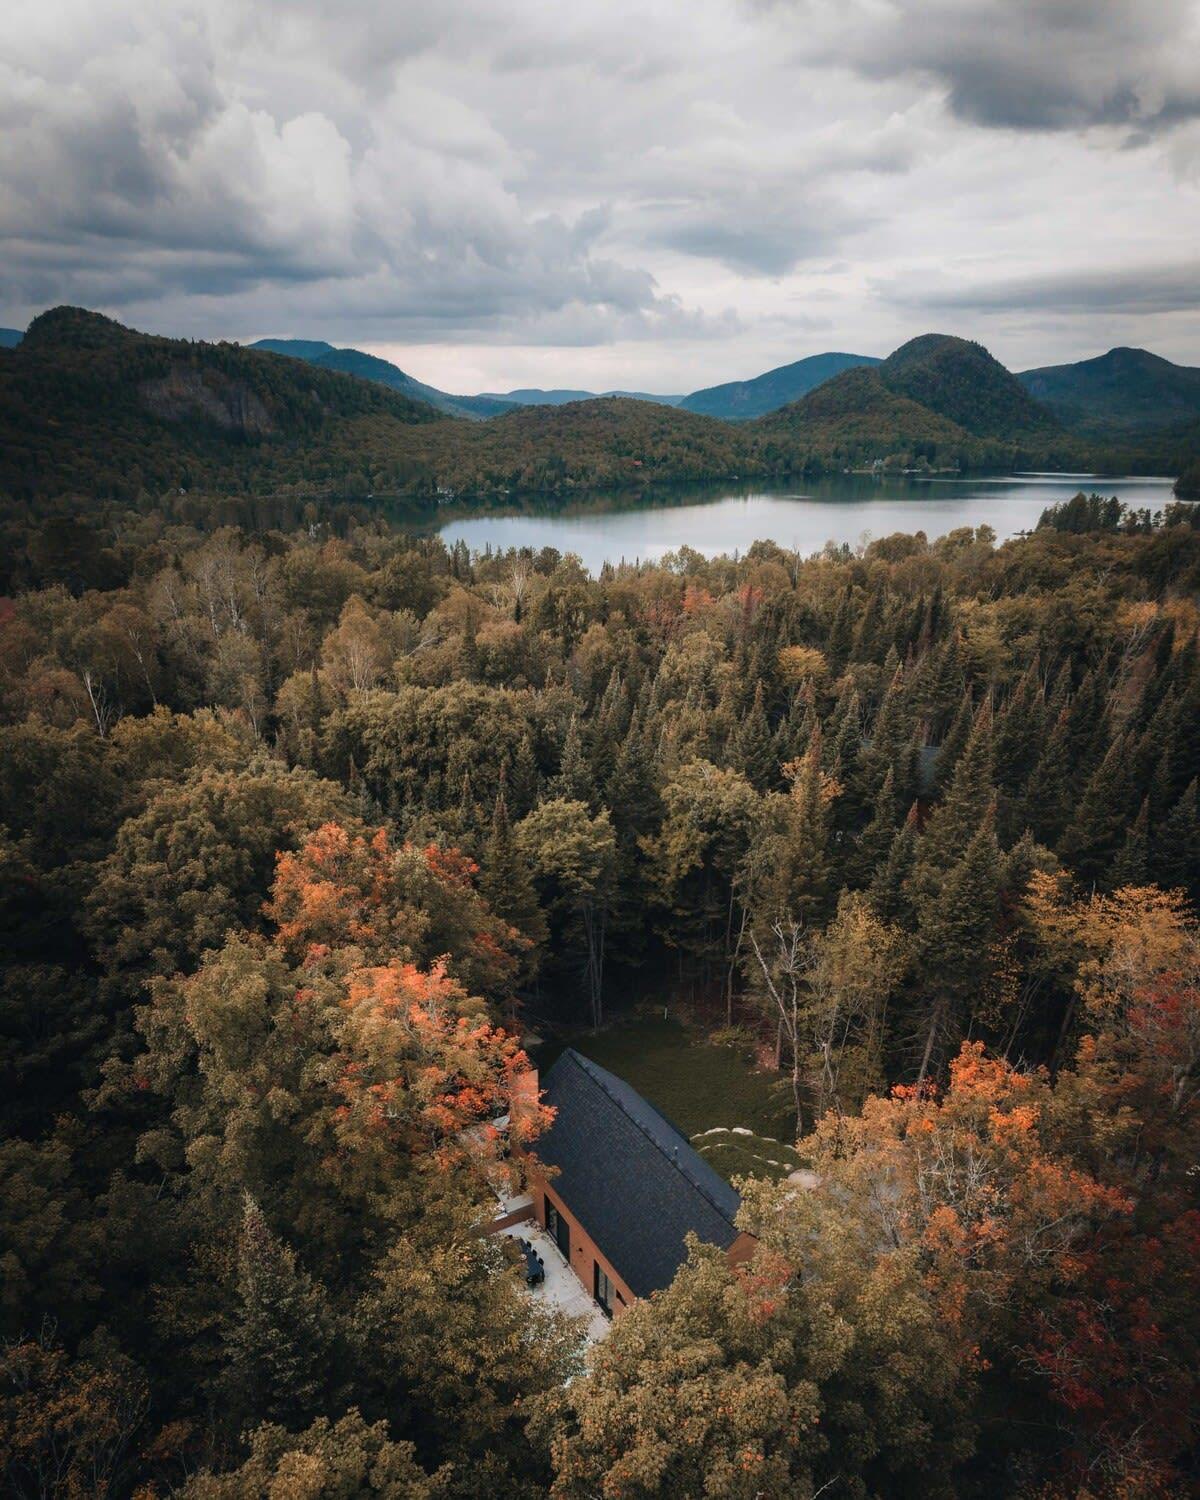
[(625, 1190)]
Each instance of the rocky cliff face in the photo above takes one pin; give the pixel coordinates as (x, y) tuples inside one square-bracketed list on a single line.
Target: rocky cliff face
[(184, 392)]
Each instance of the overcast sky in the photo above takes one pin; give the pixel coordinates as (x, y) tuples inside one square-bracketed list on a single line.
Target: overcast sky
[(659, 195)]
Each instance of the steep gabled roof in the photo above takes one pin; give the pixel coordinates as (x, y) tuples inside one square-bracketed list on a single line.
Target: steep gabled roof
[(634, 1182)]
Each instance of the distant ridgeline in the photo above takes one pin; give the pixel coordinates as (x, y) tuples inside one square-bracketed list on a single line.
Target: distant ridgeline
[(92, 409)]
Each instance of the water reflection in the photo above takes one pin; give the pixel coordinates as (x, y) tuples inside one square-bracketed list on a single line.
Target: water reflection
[(727, 518)]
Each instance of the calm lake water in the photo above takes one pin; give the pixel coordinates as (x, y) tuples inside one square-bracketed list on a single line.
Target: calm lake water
[(727, 519)]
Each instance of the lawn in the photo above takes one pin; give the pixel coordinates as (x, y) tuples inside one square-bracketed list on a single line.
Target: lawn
[(735, 1116)]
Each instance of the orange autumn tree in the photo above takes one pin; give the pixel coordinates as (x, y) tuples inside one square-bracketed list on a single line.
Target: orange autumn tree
[(340, 1070), (350, 886), (1120, 1351), (968, 1182), (334, 1143)]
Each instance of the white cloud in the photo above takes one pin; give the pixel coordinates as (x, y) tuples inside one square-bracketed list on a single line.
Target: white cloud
[(555, 191)]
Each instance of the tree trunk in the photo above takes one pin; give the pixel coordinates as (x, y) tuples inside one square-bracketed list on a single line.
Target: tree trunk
[(935, 1021)]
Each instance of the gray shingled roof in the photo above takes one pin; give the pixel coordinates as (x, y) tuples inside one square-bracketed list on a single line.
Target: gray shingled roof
[(634, 1182)]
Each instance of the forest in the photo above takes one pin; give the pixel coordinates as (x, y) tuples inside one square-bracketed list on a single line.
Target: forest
[(97, 411), (305, 820)]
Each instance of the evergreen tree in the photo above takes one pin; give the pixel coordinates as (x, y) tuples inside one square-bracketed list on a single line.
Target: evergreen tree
[(279, 1341), (955, 741), (1098, 828), (868, 631), (611, 720), (876, 839), (1020, 730), (1131, 863), (942, 685), (809, 852), (1177, 846), (889, 888), (1087, 726), (1046, 804), (955, 931), (574, 780), (506, 883), (888, 733), (755, 748), (970, 794), (844, 740), (524, 779), (841, 631)]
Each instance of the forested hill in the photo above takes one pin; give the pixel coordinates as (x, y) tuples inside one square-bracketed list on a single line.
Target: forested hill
[(960, 380), (878, 413), (91, 406), (738, 400), (1123, 390), (604, 441)]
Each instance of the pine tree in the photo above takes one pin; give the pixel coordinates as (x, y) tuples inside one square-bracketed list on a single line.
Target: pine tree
[(1177, 846), (889, 888), (943, 686), (1130, 865), (810, 839), (1098, 828), (574, 780), (280, 1341), (868, 632), (754, 746), (610, 722), (876, 838), (955, 741), (970, 794), (911, 769), (1161, 784), (632, 794), (524, 780), (844, 740), (888, 733), (1046, 805), (955, 932), (841, 631), (1087, 727), (506, 882)]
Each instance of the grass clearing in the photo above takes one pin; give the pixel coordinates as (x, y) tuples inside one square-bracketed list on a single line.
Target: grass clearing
[(736, 1117)]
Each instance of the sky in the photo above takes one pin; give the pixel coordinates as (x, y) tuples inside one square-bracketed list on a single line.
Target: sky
[(658, 195)]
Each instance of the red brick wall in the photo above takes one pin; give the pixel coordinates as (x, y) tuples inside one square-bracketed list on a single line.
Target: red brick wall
[(585, 1253)]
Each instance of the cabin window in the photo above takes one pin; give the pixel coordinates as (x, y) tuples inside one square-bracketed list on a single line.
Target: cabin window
[(605, 1291)]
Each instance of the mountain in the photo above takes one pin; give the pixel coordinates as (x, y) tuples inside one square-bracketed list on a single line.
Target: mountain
[(532, 396), (94, 410), (739, 400), (88, 406), (370, 367), (1125, 390), (962, 381), (855, 418), (10, 337), (937, 401)]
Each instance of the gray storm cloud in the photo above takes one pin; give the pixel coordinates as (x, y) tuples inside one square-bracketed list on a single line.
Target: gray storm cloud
[(637, 177)]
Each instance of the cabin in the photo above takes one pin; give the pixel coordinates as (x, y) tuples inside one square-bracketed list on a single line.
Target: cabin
[(625, 1189)]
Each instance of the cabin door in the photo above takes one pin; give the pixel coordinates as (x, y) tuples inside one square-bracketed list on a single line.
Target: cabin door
[(559, 1227)]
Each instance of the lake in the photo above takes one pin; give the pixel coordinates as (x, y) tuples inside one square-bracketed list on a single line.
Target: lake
[(728, 518)]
